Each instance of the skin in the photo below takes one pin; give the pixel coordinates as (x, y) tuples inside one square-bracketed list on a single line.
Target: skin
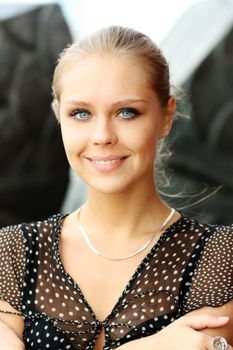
[(11, 329), (97, 123), (106, 132)]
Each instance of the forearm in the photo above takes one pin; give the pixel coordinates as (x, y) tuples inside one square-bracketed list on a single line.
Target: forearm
[(147, 343), (185, 334), (9, 340)]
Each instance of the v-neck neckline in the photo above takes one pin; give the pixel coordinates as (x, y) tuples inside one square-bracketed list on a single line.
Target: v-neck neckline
[(138, 269)]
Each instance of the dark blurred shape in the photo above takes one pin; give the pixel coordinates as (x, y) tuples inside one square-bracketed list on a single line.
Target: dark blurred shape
[(33, 166), (203, 145)]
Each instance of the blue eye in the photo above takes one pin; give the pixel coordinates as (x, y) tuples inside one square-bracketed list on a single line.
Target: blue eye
[(80, 114), (129, 113)]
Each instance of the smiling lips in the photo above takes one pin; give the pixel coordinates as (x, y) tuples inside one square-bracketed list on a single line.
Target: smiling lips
[(106, 164)]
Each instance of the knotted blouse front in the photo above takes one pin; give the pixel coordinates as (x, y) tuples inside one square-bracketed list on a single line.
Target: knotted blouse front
[(190, 266)]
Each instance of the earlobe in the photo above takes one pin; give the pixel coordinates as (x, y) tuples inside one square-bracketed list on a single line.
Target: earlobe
[(168, 117)]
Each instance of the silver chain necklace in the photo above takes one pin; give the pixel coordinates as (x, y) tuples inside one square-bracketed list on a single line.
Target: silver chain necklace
[(97, 252)]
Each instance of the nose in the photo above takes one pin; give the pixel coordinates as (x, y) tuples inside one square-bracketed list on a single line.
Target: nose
[(104, 133)]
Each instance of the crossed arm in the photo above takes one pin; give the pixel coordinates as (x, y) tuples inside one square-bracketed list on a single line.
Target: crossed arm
[(193, 331), (11, 329)]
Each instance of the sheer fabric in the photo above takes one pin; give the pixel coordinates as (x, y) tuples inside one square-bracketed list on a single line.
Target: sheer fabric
[(189, 267)]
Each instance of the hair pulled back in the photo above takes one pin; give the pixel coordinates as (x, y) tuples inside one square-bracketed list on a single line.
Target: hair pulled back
[(122, 42)]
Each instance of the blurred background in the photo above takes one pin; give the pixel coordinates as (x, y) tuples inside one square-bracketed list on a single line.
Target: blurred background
[(196, 36)]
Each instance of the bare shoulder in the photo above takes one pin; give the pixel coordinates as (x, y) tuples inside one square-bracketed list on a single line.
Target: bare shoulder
[(14, 321), (224, 310)]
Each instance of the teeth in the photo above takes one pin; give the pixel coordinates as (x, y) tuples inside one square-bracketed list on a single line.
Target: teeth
[(106, 161)]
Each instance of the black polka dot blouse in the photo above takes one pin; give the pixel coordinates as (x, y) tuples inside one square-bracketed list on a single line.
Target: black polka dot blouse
[(189, 267)]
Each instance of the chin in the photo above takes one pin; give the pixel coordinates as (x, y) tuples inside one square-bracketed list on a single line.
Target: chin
[(109, 188)]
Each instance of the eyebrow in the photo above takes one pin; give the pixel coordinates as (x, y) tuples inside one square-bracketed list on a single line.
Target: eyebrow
[(115, 104)]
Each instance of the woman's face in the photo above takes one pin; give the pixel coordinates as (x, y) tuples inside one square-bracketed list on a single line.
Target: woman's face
[(111, 121)]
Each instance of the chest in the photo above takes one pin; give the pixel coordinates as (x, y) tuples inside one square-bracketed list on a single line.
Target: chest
[(145, 302), (101, 281)]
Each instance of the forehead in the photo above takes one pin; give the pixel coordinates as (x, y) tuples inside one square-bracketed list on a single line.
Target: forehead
[(107, 73)]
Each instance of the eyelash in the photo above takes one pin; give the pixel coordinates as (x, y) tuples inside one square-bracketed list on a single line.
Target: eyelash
[(78, 111), (134, 111)]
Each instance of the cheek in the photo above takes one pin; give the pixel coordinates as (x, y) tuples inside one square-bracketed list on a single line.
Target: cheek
[(72, 139), (148, 147), (145, 140)]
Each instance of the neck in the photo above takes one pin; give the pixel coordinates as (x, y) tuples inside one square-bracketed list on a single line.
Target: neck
[(123, 214)]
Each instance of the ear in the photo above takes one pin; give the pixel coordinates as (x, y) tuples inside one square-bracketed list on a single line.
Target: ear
[(168, 117), (55, 108)]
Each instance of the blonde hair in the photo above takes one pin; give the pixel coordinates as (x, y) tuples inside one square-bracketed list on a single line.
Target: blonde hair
[(123, 42), (130, 44)]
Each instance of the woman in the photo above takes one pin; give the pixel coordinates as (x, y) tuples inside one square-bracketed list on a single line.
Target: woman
[(125, 270)]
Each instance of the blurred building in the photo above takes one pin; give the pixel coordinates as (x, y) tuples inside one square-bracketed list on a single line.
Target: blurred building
[(34, 170), (200, 50)]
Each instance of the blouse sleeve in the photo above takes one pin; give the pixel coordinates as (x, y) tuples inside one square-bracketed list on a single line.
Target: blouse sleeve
[(12, 265), (211, 283)]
